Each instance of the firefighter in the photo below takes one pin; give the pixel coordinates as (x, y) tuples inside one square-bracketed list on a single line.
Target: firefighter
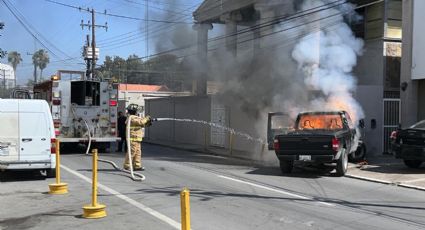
[(135, 135)]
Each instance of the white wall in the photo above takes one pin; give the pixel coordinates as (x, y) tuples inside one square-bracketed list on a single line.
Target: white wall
[(371, 99), (192, 107)]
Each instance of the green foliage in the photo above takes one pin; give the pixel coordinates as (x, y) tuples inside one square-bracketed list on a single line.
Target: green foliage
[(161, 70), (14, 58), (40, 59), (2, 52)]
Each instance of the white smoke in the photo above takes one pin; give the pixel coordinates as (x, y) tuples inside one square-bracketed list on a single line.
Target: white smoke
[(327, 58)]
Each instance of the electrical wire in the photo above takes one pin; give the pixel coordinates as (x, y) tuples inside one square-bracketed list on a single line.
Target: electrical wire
[(268, 34), (117, 15)]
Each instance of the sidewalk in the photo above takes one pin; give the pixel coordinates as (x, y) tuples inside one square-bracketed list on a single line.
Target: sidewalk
[(388, 170), (382, 169)]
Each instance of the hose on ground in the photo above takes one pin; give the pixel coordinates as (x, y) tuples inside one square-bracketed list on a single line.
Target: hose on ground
[(134, 176)]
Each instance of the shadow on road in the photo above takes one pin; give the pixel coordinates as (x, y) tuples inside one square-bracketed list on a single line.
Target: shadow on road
[(299, 171), (207, 195), (12, 176)]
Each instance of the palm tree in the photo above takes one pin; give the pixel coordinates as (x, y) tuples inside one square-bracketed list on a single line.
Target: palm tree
[(14, 58), (40, 59), (35, 61)]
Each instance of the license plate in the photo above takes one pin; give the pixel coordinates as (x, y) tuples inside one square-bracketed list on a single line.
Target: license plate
[(305, 158)]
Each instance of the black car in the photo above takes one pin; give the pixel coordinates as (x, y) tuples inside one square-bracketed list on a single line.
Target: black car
[(409, 145)]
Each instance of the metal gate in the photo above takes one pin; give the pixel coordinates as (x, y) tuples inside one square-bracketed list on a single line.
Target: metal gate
[(392, 118), (218, 136)]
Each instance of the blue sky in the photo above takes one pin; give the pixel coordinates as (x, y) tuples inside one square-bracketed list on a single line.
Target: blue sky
[(60, 26)]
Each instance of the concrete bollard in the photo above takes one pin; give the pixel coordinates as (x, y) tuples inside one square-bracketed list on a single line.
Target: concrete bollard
[(94, 210), (58, 188), (185, 208)]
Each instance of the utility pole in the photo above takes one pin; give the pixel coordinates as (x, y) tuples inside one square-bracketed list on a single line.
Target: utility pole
[(92, 26), (4, 79), (88, 59), (35, 68)]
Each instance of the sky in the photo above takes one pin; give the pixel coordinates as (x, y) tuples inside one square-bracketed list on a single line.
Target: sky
[(58, 28)]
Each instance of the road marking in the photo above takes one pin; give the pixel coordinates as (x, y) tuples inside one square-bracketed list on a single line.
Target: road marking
[(140, 206), (274, 190)]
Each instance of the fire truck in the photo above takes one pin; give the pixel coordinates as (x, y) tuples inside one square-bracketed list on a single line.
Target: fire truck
[(81, 108)]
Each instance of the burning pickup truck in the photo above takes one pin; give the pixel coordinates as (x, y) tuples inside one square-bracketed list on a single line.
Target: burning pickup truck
[(317, 137)]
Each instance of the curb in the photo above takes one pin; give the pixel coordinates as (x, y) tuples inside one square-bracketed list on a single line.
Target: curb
[(369, 179), (398, 184)]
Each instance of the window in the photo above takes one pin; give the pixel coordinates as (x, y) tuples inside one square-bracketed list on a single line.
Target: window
[(85, 93)]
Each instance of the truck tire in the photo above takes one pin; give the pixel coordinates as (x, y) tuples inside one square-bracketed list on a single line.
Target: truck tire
[(342, 163), (286, 166), (51, 173), (359, 154), (414, 164)]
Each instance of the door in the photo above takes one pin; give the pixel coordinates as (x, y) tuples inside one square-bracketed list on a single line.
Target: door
[(392, 120), (218, 135), (9, 134), (34, 137), (277, 123)]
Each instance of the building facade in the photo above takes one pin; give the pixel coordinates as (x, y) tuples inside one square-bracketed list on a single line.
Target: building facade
[(7, 77), (412, 68), (378, 69), (378, 23)]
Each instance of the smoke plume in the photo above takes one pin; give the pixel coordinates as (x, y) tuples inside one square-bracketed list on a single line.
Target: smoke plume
[(303, 63)]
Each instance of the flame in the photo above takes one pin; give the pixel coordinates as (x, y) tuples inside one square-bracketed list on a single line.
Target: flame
[(320, 121), (345, 103)]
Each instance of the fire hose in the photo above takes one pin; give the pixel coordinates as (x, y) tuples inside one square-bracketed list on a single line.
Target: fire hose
[(134, 176)]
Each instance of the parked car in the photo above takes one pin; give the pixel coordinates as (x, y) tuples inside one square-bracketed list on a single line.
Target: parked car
[(26, 136), (409, 145), (317, 137)]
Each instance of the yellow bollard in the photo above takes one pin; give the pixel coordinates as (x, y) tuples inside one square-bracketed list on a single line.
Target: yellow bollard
[(94, 210), (185, 208), (231, 143), (58, 187)]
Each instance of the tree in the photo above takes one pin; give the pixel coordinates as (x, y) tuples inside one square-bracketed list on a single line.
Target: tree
[(40, 59), (14, 58), (2, 52)]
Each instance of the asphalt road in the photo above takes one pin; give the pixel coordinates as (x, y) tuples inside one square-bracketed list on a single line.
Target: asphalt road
[(225, 194)]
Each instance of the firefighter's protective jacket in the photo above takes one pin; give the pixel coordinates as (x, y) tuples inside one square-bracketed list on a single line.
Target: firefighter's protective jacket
[(136, 125)]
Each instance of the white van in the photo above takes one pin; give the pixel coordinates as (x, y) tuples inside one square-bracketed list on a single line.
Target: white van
[(27, 136)]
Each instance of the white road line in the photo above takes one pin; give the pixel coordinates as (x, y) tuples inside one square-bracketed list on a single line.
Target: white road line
[(142, 207), (273, 190)]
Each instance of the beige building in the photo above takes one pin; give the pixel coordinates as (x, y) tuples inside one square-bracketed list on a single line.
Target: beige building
[(412, 68)]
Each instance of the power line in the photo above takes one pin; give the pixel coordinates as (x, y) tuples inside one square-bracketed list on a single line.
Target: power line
[(26, 27), (258, 26), (265, 35), (117, 15), (129, 40), (121, 41)]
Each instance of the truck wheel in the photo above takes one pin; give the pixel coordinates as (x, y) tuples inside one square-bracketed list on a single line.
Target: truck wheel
[(51, 173), (359, 154), (342, 163), (286, 166), (414, 164)]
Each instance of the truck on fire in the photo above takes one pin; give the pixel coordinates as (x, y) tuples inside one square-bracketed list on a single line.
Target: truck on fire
[(81, 108), (317, 138)]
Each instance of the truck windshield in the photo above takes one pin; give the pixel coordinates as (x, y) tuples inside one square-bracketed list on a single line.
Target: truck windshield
[(320, 121)]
